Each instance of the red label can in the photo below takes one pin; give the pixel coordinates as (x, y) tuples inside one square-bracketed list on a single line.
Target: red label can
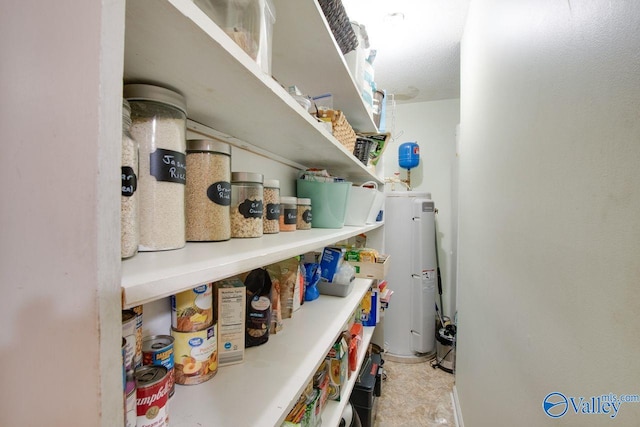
[(152, 394), (158, 350)]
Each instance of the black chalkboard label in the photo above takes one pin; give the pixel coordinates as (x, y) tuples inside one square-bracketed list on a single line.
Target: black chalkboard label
[(129, 181), (306, 216), (251, 208), (273, 211), (168, 165), (289, 216), (220, 193)]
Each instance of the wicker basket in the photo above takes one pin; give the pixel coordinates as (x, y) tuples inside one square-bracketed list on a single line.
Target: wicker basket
[(340, 25), (341, 128)]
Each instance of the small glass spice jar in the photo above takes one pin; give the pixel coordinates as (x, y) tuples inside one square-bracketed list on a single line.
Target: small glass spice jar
[(159, 125), (304, 214), (246, 204), (288, 213), (129, 224), (271, 212), (208, 190)]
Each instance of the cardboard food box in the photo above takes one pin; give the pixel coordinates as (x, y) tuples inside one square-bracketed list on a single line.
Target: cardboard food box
[(230, 298), (330, 262), (337, 365), (370, 305), (371, 270)]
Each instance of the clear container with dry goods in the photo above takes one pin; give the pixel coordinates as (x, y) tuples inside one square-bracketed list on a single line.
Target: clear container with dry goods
[(249, 23), (129, 224), (271, 211), (288, 213), (304, 214), (208, 191), (246, 204), (159, 122)]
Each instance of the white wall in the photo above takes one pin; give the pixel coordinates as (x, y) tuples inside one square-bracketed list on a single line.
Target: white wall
[(433, 126), (60, 109), (549, 244)]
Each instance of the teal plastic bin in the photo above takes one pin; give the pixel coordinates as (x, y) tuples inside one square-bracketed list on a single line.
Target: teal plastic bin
[(328, 202)]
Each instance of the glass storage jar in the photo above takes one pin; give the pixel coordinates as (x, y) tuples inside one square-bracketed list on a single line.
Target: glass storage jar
[(304, 214), (288, 213), (271, 212), (129, 225), (208, 190), (246, 204), (159, 122)]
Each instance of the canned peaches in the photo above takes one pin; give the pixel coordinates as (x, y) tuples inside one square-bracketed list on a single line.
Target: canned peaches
[(196, 355)]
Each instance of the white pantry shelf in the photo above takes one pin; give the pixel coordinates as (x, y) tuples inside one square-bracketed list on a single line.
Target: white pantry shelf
[(152, 275), (172, 43), (306, 54), (261, 391)]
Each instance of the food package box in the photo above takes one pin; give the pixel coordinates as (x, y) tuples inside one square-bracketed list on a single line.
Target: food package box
[(371, 270), (337, 366), (330, 262), (356, 331), (370, 305), (324, 394), (230, 299)]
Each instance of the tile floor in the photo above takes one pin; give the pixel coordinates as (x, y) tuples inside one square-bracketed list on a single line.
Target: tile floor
[(415, 395)]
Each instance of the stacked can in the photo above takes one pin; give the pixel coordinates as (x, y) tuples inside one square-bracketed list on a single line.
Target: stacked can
[(152, 384), (157, 350), (132, 342), (194, 331)]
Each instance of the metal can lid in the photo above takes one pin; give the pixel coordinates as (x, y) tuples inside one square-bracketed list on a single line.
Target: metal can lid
[(247, 177), (303, 201), (209, 145), (156, 342), (271, 183), (144, 92), (288, 201), (149, 375)]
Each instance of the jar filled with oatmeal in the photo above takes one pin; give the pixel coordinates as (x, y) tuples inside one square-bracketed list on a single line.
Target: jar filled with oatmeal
[(304, 214), (158, 124), (271, 212), (288, 213), (129, 225), (208, 190), (246, 204)]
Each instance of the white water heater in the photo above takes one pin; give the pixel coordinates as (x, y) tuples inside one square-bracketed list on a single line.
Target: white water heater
[(409, 230)]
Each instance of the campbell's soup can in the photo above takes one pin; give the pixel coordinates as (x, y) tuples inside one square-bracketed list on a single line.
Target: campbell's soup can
[(129, 334), (130, 413), (196, 355), (137, 357), (158, 350), (152, 394), (192, 310), (124, 371)]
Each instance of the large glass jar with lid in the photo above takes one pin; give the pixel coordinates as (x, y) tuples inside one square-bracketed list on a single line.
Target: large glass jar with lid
[(208, 190), (129, 224), (246, 204), (159, 122)]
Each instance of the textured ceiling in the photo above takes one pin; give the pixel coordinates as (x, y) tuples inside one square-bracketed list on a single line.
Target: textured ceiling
[(418, 58)]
